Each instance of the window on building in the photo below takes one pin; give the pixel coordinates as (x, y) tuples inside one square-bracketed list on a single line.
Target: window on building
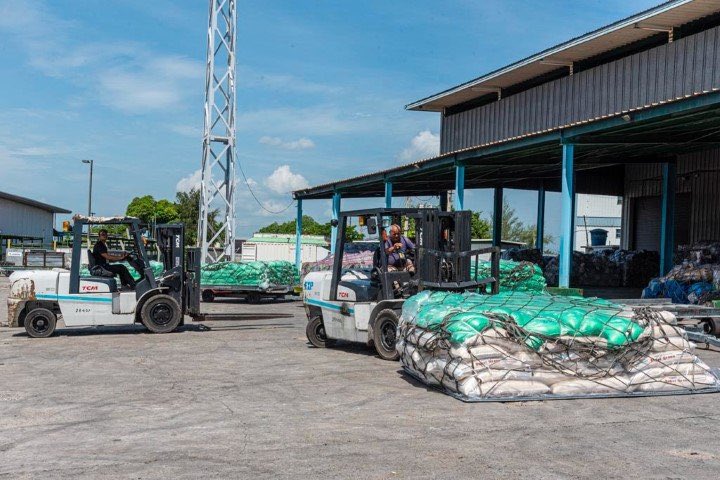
[(617, 233)]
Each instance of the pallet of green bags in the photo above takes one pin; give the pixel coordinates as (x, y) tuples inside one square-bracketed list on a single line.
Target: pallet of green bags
[(250, 280), (517, 346)]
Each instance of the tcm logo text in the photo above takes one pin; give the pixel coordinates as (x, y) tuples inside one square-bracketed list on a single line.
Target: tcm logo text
[(90, 288)]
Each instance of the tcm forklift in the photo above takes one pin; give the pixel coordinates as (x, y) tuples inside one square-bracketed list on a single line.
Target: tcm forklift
[(38, 297), (365, 306)]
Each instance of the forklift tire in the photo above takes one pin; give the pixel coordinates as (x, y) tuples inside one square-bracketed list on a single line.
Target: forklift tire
[(711, 326), (315, 332), (208, 296), (161, 314), (385, 334), (40, 323)]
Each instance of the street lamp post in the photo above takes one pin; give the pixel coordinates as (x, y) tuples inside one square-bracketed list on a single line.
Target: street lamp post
[(90, 190), (90, 162)]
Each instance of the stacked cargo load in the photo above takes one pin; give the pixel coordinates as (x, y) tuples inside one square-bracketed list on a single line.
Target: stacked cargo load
[(524, 346)]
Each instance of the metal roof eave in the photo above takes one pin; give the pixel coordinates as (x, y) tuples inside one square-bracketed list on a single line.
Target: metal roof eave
[(538, 57), (33, 203)]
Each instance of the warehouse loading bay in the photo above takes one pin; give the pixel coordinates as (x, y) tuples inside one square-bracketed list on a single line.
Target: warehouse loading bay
[(251, 398)]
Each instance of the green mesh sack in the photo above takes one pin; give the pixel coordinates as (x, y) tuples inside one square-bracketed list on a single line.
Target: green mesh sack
[(157, 269), (514, 276)]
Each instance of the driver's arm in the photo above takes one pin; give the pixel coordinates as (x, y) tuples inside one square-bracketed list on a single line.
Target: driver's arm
[(114, 258)]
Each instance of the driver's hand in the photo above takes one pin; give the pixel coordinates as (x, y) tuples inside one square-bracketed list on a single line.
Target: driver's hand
[(398, 246)]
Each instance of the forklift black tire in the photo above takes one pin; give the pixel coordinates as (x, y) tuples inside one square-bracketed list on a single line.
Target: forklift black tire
[(161, 314), (40, 323), (253, 298), (711, 326), (315, 332), (385, 334), (208, 296)]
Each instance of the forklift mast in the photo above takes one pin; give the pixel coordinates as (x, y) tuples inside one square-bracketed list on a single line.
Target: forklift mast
[(443, 254)]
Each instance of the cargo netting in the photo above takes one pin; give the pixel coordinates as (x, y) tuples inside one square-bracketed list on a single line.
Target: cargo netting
[(514, 276), (157, 269), (524, 346), (256, 274)]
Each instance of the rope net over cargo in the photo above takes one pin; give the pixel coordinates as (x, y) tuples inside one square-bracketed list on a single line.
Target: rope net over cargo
[(257, 274), (518, 345), (514, 276)]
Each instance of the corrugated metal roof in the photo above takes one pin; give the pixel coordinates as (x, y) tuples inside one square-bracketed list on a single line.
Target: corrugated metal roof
[(640, 26), (33, 203)]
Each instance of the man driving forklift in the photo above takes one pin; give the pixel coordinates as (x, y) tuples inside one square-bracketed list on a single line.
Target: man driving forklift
[(102, 259), (397, 247)]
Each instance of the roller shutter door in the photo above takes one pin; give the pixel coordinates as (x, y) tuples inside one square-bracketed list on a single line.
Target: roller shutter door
[(648, 219)]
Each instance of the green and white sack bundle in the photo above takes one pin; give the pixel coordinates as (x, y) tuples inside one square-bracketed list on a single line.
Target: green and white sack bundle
[(518, 345), (256, 274)]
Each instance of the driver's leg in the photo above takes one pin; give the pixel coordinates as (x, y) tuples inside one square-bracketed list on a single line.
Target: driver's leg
[(409, 267), (125, 277)]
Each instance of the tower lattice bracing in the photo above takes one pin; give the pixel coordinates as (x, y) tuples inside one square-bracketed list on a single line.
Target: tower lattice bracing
[(217, 238)]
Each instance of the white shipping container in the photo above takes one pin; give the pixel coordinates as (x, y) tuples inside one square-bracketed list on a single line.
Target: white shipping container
[(281, 251)]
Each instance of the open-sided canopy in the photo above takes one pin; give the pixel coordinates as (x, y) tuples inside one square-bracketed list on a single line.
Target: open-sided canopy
[(602, 149)]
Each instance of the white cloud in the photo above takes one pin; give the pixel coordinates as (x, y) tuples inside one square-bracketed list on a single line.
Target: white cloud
[(157, 85), (187, 131), (127, 76), (273, 207), (282, 180), (424, 145), (189, 182), (299, 144)]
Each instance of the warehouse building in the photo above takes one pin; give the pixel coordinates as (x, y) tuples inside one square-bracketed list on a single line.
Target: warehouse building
[(630, 110), (26, 221)]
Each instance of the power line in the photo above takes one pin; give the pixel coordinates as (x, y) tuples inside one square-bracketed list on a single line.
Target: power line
[(272, 212)]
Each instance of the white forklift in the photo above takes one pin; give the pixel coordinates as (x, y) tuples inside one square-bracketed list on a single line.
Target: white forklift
[(38, 297), (365, 305)]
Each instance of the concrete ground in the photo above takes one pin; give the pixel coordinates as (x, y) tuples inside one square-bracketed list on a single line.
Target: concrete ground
[(251, 399)]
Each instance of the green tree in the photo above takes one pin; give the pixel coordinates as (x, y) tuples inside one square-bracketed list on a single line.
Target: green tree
[(515, 230), (142, 208), (479, 227), (187, 206), (150, 211), (310, 226)]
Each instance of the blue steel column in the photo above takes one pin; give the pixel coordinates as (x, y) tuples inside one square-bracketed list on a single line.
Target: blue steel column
[(335, 216), (567, 214), (497, 217), (667, 229), (460, 187), (540, 223), (298, 235), (388, 194)]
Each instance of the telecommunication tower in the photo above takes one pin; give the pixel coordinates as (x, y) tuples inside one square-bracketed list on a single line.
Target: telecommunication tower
[(218, 159)]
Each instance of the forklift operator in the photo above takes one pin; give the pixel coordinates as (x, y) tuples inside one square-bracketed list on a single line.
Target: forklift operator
[(102, 257), (397, 246)]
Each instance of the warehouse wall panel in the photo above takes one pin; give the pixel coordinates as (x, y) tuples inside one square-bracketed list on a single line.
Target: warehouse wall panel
[(685, 67), (25, 220)]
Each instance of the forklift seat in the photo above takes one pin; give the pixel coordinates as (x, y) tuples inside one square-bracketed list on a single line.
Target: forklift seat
[(365, 290), (97, 270)]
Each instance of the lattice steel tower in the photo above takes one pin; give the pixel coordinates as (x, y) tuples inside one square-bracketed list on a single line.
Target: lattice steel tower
[(218, 162)]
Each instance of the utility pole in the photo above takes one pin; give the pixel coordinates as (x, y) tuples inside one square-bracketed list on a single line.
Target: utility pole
[(90, 162), (90, 189), (218, 160)]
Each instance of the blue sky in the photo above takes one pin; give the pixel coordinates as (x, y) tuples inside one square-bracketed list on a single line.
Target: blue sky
[(321, 91)]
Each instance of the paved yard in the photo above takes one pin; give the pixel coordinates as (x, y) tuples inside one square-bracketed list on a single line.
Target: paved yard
[(251, 399)]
